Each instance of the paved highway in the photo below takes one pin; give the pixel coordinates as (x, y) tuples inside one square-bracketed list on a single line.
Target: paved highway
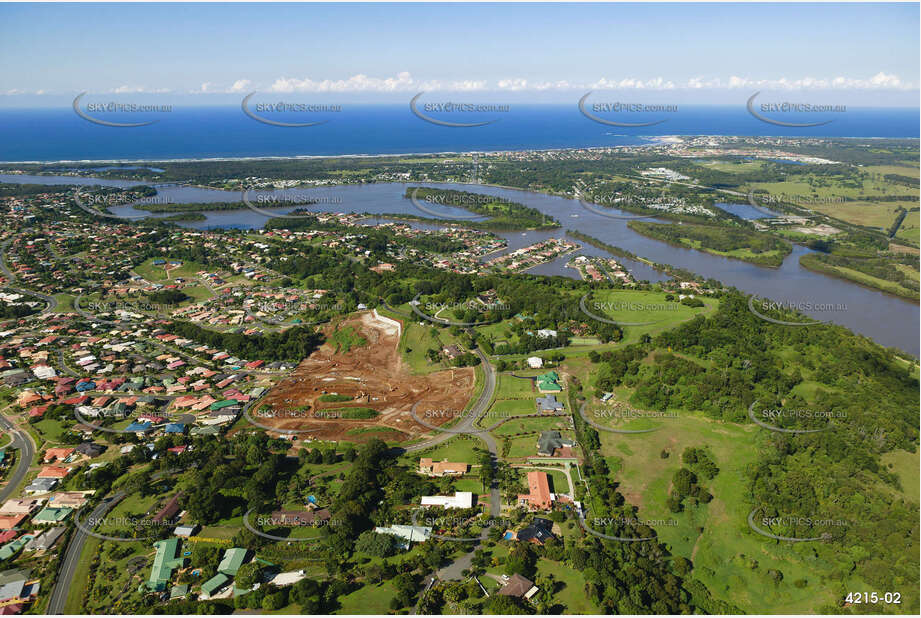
[(72, 557), (23, 442)]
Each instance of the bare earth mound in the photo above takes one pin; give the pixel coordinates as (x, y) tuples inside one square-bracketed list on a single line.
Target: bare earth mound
[(374, 376)]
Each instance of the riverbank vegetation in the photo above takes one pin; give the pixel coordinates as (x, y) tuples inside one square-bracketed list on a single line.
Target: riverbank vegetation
[(734, 242)]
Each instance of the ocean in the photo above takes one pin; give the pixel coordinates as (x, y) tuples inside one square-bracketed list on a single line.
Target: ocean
[(59, 134)]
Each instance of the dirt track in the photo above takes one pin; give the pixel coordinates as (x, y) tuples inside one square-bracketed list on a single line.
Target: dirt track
[(375, 377)]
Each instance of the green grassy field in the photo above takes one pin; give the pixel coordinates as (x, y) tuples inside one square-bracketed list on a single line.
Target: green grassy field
[(727, 556), (50, 429), (641, 306), (906, 466), (459, 449), (530, 424), (198, 293), (569, 588), (731, 167), (504, 408), (870, 214), (739, 254), (871, 187), (525, 446), (911, 227), (369, 599), (901, 170), (509, 387), (65, 301), (416, 340), (80, 581)]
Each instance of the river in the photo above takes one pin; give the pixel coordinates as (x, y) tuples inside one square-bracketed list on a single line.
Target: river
[(888, 320)]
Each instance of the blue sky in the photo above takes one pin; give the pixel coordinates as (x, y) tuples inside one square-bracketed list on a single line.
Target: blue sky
[(859, 53)]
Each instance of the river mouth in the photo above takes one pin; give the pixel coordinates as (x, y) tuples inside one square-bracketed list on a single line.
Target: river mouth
[(888, 320)]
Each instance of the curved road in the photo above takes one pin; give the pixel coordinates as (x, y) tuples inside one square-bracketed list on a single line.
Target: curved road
[(65, 576), (453, 571), (72, 557), (52, 302), (23, 442)]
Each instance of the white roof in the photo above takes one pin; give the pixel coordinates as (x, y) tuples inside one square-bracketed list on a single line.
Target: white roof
[(460, 500)]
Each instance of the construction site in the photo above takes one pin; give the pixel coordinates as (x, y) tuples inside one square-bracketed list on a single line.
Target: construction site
[(361, 391)]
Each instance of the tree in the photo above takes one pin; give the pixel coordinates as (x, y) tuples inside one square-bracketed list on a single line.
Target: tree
[(248, 576), (374, 544)]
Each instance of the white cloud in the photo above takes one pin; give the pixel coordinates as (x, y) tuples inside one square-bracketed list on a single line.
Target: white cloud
[(404, 82), (880, 81), (125, 89)]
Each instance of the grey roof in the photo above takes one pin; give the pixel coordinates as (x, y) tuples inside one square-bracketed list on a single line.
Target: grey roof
[(46, 539), (550, 441), (549, 402), (12, 590)]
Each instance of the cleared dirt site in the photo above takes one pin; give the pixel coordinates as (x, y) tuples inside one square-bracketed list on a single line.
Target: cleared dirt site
[(366, 377)]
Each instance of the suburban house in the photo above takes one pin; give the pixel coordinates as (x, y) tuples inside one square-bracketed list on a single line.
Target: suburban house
[(41, 486), (539, 532), (52, 515), (166, 560), (53, 472), (407, 534), (553, 444), (549, 403), (535, 362), (169, 510), (460, 500), (452, 351), (59, 454), (519, 586), (186, 531), (549, 382), (20, 507), (539, 497), (46, 540), (233, 559), (214, 585), (441, 468), (299, 518)]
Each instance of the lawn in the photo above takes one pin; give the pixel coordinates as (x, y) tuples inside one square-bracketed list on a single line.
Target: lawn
[(65, 302), (504, 408), (158, 273), (132, 506), (510, 387), (525, 446), (198, 293), (459, 449), (530, 424), (50, 429), (569, 589), (369, 599)]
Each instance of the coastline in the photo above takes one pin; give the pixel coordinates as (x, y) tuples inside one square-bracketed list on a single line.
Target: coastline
[(653, 142)]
